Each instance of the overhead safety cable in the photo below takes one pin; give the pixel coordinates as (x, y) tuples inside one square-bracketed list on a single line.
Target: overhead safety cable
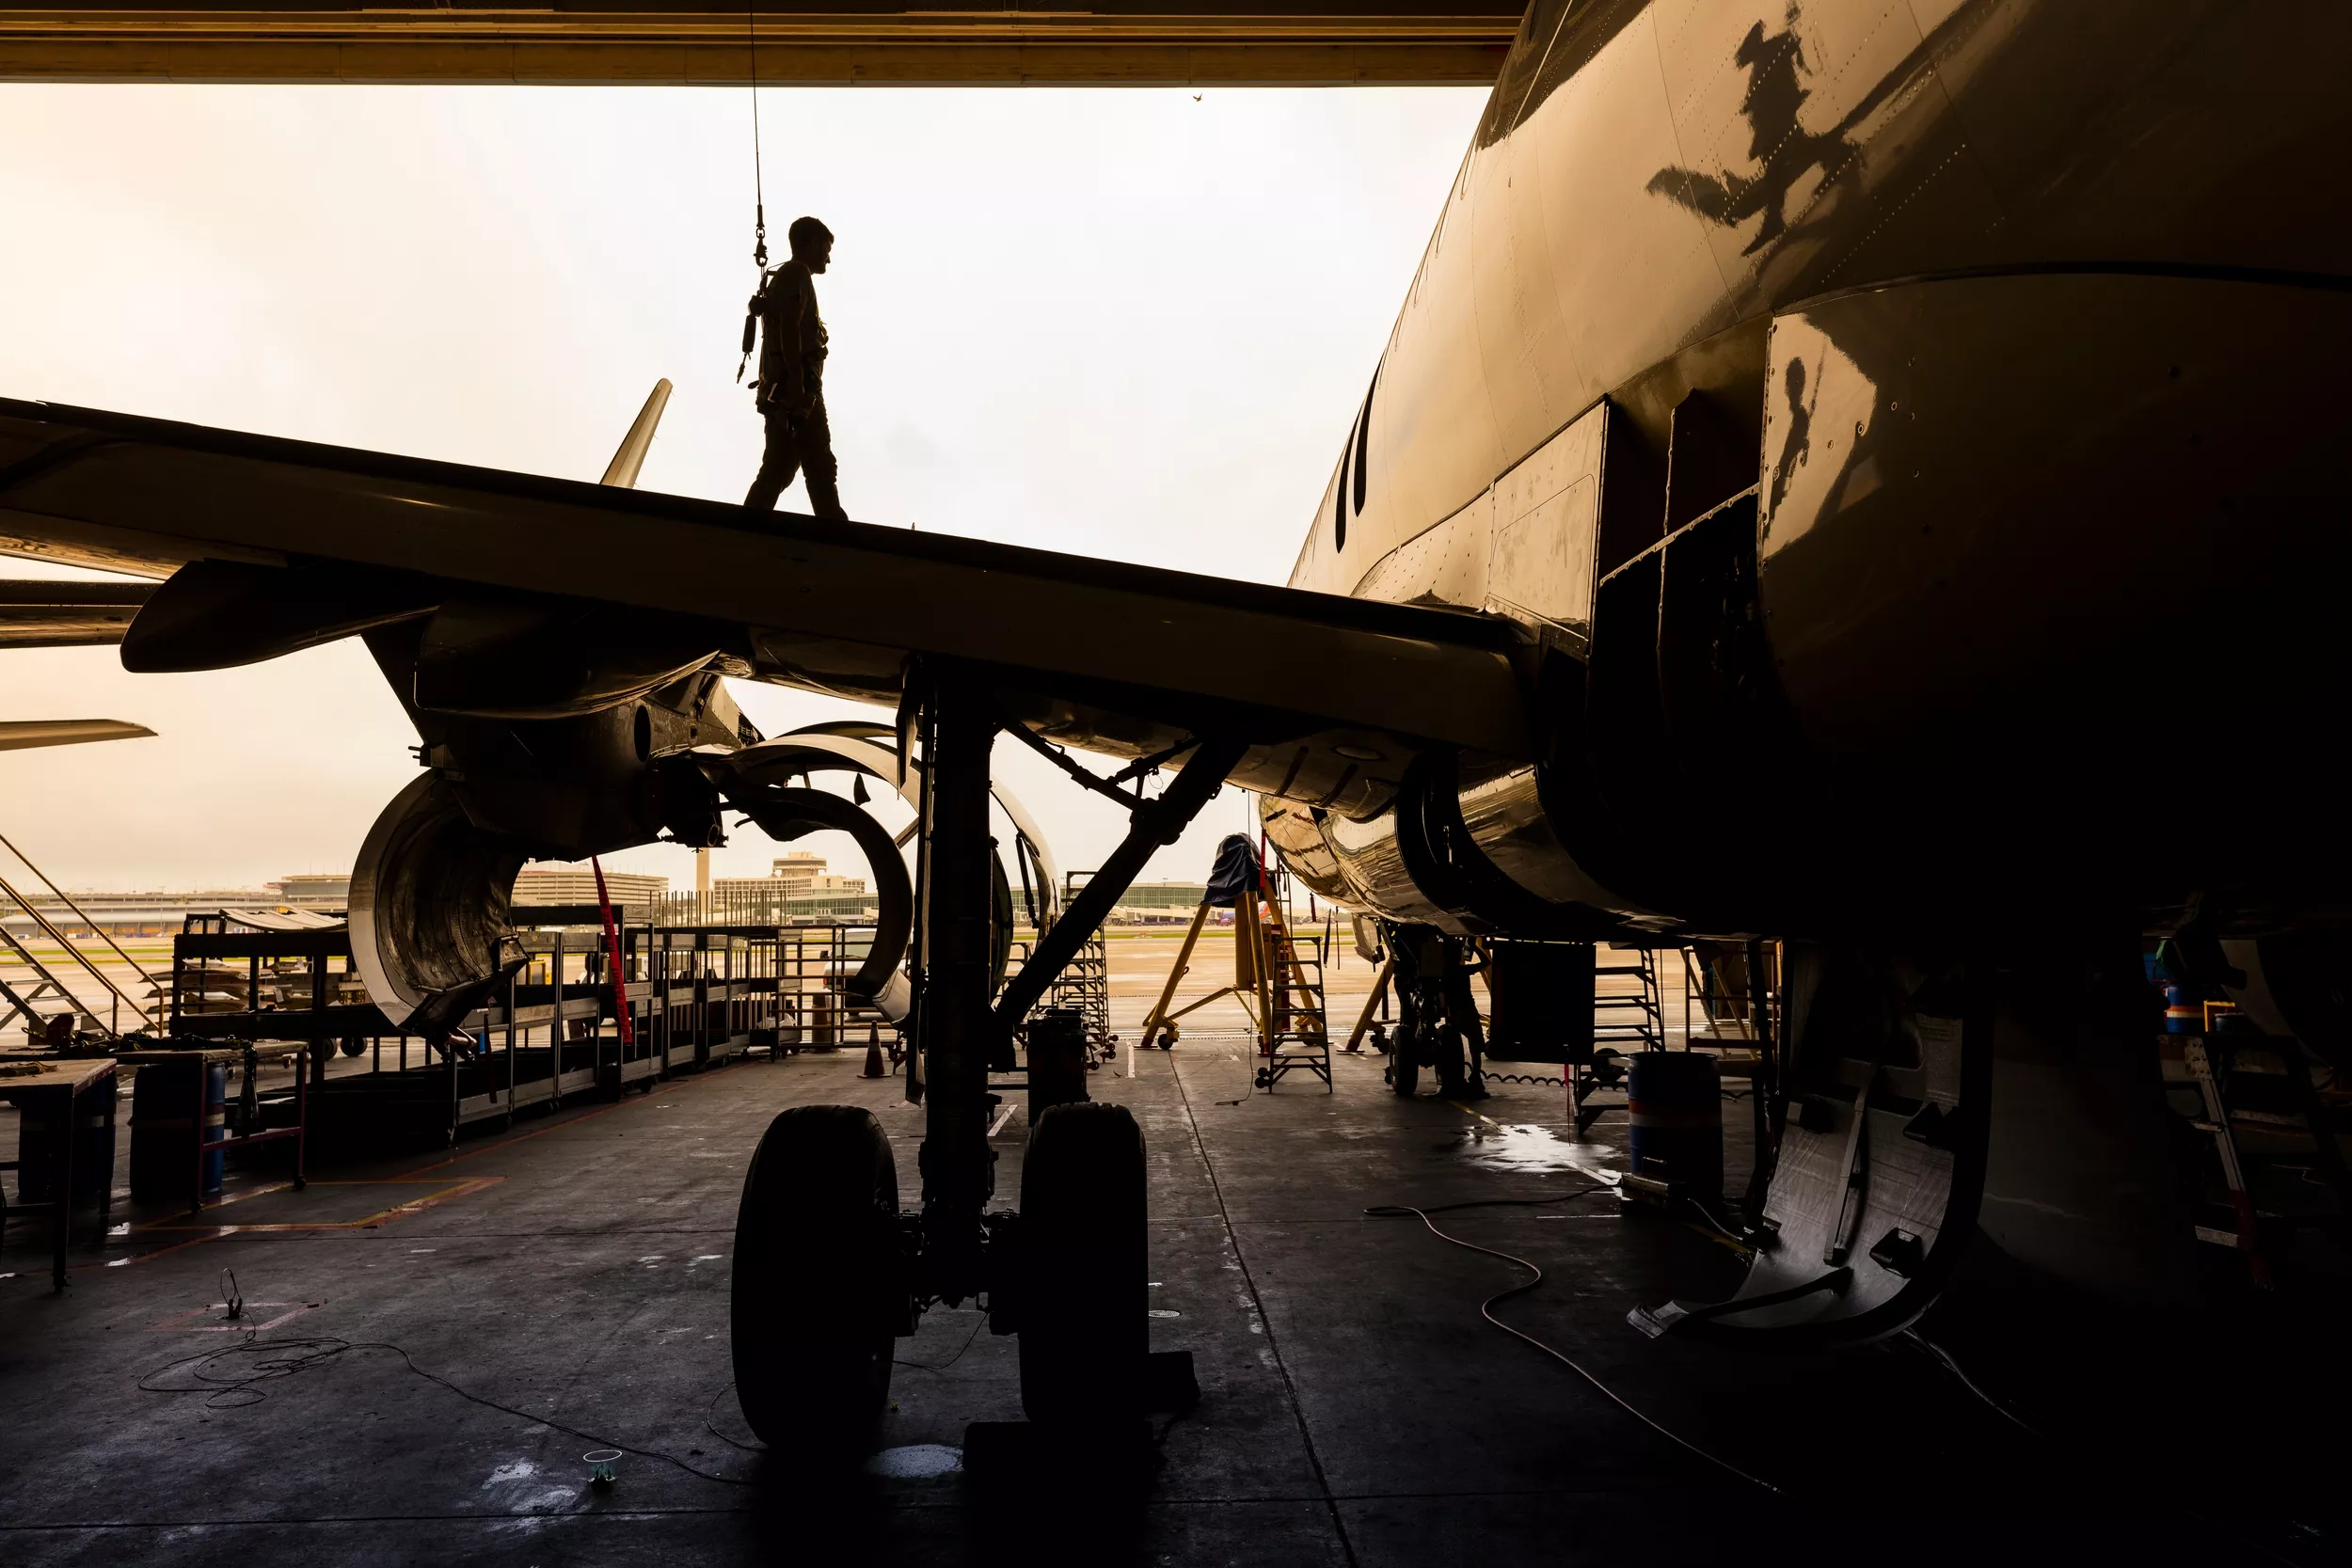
[(759, 190)]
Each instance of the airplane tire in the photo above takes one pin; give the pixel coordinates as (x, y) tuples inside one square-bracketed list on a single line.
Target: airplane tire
[(819, 1290), (1446, 1060), (1404, 1064), (1084, 1328)]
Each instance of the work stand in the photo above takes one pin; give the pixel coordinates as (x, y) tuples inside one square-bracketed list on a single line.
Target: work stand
[(1277, 980), (827, 1271)]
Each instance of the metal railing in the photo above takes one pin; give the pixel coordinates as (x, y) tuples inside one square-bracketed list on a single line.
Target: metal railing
[(23, 997)]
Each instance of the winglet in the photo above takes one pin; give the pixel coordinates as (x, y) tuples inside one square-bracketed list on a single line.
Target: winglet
[(622, 471)]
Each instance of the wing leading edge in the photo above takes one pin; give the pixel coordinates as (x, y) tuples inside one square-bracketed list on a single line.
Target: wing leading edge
[(1119, 657)]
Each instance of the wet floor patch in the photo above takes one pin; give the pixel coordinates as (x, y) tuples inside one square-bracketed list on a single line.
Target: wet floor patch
[(1524, 1149)]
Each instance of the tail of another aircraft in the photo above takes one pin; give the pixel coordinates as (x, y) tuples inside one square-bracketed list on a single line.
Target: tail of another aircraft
[(622, 471)]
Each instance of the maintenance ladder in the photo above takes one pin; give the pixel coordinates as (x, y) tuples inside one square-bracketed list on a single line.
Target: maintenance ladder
[(1296, 1033), (1621, 1018), (2256, 1095)]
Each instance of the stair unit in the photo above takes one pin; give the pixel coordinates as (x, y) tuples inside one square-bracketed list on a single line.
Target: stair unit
[(1293, 1033), (1084, 982), (34, 992), (1628, 1015)]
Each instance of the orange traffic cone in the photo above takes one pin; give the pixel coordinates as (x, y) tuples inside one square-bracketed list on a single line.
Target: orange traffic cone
[(874, 1067)]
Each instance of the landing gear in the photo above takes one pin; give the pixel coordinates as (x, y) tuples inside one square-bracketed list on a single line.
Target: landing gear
[(1084, 1332), (820, 1284), (827, 1270), (1436, 1021), (1453, 1079)]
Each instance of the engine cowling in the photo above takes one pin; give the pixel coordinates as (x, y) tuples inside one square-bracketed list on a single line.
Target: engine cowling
[(1464, 847), (431, 892), (429, 902)]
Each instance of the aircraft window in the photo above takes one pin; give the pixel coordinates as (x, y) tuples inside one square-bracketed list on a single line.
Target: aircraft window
[(1363, 439)]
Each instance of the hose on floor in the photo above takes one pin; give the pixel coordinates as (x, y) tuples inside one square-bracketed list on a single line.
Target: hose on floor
[(233, 1376), (1486, 1311)]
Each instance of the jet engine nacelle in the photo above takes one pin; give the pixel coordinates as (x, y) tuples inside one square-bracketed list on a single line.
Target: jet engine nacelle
[(1464, 847), (431, 892)]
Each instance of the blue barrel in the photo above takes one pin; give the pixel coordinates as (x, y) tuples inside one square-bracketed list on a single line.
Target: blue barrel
[(1676, 1102), (165, 1123)]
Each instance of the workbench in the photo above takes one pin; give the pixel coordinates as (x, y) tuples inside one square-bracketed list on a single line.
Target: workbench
[(59, 1087)]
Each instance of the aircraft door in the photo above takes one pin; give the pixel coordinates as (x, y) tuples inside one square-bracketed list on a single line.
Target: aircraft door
[(1546, 522)]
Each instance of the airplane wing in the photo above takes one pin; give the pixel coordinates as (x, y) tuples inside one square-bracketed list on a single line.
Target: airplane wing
[(304, 543), (65, 613), (22, 734)]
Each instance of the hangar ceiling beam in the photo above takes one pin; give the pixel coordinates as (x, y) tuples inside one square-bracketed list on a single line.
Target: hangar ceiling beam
[(809, 43)]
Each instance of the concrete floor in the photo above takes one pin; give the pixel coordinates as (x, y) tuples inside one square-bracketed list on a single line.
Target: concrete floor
[(1355, 1411)]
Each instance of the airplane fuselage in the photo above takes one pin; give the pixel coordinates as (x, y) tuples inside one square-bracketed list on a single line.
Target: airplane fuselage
[(1905, 436)]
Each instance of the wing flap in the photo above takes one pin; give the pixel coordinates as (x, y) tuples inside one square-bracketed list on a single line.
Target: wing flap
[(65, 613)]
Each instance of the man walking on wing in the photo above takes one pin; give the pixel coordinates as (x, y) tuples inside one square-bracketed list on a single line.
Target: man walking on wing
[(790, 389)]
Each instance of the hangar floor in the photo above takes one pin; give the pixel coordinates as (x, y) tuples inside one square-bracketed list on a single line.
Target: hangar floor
[(1355, 1410)]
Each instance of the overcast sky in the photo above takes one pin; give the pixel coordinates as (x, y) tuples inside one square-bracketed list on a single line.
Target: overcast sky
[(1130, 323)]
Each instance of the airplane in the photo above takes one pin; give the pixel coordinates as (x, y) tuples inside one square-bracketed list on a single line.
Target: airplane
[(62, 614), (65, 614), (1854, 475), (17, 735)]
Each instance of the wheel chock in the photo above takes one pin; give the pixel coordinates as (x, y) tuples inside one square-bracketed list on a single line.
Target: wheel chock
[(1013, 1454)]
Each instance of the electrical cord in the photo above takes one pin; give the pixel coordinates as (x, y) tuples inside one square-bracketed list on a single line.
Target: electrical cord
[(1944, 1358), (267, 1360), (1746, 1247), (710, 1426), (1486, 1310), (978, 1322), (1398, 1210)]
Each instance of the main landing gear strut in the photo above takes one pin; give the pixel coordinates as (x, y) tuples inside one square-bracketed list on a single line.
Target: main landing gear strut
[(827, 1271)]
